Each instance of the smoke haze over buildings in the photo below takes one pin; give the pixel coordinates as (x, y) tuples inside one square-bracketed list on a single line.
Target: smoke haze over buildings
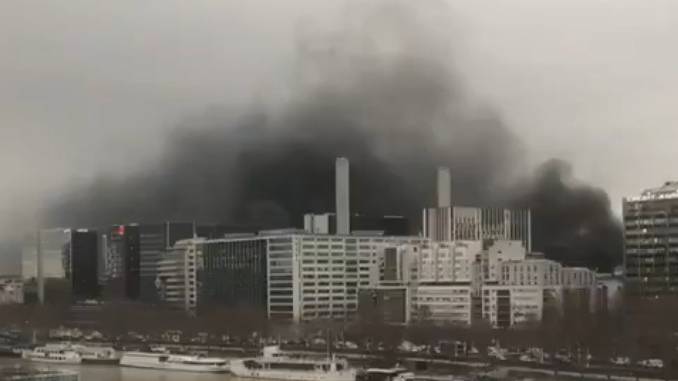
[(376, 82), (378, 93)]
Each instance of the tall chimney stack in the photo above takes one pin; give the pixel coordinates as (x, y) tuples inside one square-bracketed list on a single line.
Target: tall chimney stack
[(444, 187), (342, 196)]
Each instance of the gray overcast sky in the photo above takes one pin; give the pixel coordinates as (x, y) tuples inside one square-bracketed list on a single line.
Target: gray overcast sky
[(89, 86)]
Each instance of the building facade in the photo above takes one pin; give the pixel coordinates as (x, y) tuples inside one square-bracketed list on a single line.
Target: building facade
[(233, 273), (177, 274), (457, 223), (442, 303), (505, 306), (322, 274), (154, 240), (84, 249), (292, 274), (651, 241)]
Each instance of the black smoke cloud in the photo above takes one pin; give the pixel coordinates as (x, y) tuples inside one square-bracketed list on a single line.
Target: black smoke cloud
[(381, 93)]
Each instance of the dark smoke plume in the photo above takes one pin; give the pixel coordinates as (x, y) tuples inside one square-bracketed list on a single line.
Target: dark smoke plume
[(573, 222), (379, 93)]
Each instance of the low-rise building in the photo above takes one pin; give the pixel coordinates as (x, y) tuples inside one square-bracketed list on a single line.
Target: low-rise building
[(508, 305), (439, 303)]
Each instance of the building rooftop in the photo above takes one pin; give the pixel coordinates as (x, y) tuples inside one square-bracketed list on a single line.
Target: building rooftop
[(669, 190)]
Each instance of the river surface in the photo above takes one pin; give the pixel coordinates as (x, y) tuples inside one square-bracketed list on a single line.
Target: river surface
[(90, 372)]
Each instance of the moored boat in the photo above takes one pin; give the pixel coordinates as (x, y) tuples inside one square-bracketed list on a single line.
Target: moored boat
[(96, 355), (53, 354), (276, 365), (166, 361)]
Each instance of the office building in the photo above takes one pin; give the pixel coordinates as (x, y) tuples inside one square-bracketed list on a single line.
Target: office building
[(388, 304), (11, 290), (177, 274), (84, 247), (154, 240), (651, 241), (120, 247), (531, 272), (112, 264), (457, 223), (233, 273), (290, 274), (496, 252), (436, 262), (442, 303), (320, 275), (506, 305), (461, 282)]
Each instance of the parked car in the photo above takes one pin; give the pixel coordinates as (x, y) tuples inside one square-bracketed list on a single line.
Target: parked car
[(620, 360), (652, 363)]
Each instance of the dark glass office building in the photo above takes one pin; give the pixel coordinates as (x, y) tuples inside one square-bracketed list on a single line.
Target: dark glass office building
[(84, 264), (233, 274)]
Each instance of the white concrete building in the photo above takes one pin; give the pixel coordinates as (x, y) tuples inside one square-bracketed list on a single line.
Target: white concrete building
[(498, 252), (176, 279), (327, 272), (11, 290), (504, 306), (531, 272), (318, 276), (455, 223), (441, 303)]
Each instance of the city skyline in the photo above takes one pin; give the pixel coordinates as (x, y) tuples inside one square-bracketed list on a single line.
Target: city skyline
[(315, 88)]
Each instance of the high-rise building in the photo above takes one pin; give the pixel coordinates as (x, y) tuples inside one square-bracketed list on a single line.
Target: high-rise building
[(177, 279), (289, 274), (84, 247), (651, 240), (233, 273), (154, 240), (121, 262)]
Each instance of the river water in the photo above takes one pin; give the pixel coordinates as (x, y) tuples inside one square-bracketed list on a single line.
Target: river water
[(116, 373), (89, 372)]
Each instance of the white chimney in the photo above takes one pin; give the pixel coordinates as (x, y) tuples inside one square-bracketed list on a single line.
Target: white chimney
[(342, 196), (444, 187)]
